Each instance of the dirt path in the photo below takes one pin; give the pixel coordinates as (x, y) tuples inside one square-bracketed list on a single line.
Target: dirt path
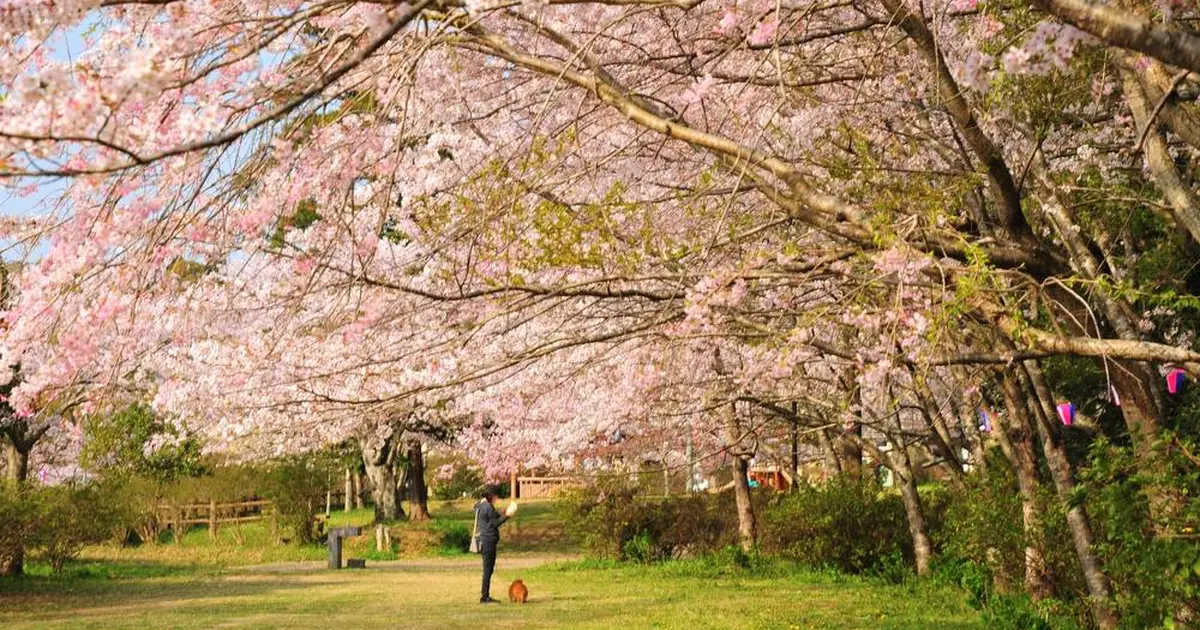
[(466, 563)]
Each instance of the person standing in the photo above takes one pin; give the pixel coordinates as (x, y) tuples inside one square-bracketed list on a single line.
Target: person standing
[(488, 522)]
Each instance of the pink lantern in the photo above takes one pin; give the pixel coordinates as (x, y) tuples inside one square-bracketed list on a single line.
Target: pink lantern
[(1066, 412), (1175, 380)]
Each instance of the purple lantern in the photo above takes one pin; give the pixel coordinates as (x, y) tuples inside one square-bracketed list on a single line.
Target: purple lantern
[(1175, 380), (1066, 412), (985, 421)]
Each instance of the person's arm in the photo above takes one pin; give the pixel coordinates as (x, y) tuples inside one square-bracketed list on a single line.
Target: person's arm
[(494, 516)]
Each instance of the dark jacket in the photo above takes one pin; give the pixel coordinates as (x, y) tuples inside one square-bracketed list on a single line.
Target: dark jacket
[(489, 521)]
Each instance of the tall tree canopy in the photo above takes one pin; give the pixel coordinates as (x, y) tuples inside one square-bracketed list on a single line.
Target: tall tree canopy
[(562, 226)]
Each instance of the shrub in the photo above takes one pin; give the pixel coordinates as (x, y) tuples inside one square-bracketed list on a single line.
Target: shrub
[(612, 520), (294, 485), (982, 526), (71, 517), (1156, 577), (982, 540), (18, 521), (844, 523), (453, 537), (1018, 612)]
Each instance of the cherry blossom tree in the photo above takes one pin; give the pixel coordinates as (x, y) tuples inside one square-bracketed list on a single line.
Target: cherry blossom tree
[(295, 223)]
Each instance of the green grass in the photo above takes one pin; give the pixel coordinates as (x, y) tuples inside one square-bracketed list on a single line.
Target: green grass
[(534, 530), (202, 583), (439, 594)]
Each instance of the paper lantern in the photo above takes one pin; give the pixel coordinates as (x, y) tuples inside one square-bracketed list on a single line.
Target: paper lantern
[(511, 509), (1175, 379), (985, 421), (1066, 412)]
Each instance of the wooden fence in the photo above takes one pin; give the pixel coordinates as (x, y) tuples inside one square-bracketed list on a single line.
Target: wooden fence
[(179, 518), (545, 487)]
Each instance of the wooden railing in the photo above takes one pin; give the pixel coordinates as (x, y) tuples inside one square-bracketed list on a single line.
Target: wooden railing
[(179, 518), (545, 487)]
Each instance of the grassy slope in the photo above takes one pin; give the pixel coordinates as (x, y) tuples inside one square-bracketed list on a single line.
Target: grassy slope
[(202, 584), (533, 531)]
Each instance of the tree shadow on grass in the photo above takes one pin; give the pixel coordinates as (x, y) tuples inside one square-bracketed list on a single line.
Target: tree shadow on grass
[(133, 586)]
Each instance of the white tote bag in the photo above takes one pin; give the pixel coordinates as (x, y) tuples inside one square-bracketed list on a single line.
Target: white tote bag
[(475, 532)]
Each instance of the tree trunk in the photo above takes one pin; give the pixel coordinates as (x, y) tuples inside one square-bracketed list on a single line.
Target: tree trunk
[(747, 526), (1059, 464), (850, 444), (1137, 387), (914, 511), (900, 464), (969, 420), (349, 502), (793, 485), (1014, 433), (18, 473), (418, 495), (833, 464), (379, 458), (383, 491), (850, 452), (932, 414), (18, 464), (358, 490), (1142, 401)]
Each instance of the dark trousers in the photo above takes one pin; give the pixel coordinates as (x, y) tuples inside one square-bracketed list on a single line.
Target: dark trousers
[(487, 549)]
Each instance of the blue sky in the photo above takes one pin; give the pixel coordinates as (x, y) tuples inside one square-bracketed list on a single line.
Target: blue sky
[(64, 46)]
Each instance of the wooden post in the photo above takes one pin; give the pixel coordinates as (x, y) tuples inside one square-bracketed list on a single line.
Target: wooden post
[(349, 505), (795, 447), (358, 491), (383, 538), (212, 519)]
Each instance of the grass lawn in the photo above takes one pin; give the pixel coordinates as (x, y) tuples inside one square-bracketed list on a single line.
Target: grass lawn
[(440, 594), (534, 530), (202, 583)]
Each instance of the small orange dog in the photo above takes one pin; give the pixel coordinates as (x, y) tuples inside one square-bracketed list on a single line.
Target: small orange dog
[(517, 593)]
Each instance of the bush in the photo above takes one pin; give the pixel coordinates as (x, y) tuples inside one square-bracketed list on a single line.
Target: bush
[(453, 537), (72, 517), (982, 526), (295, 485), (982, 541), (1156, 577), (18, 521), (1018, 612), (55, 523), (612, 520), (844, 523)]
